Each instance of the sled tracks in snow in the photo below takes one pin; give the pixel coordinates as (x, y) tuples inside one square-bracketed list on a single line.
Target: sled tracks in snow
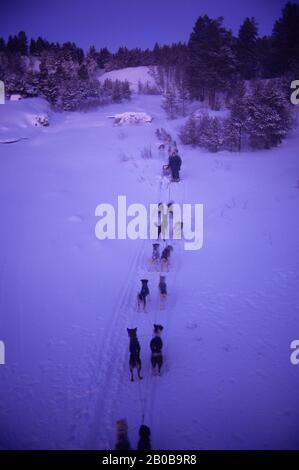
[(177, 193), (95, 424), (111, 364)]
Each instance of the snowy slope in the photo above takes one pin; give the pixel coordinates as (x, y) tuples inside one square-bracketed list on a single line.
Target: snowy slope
[(18, 118), (132, 74), (67, 298)]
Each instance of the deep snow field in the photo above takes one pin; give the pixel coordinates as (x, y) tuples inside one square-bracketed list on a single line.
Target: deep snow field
[(66, 298)]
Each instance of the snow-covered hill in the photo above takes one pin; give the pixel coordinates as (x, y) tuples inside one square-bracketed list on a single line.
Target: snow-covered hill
[(67, 298), (133, 75)]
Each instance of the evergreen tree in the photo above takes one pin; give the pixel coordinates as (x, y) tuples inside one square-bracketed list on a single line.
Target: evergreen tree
[(238, 117), (83, 72), (215, 135), (170, 103), (117, 91), (18, 44), (285, 39), (125, 90), (103, 57), (211, 61), (91, 61), (2, 45), (205, 131), (264, 57), (231, 135), (246, 49), (156, 54), (189, 132), (269, 115)]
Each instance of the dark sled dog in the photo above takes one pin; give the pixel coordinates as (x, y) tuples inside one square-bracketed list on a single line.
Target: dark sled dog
[(122, 441), (162, 290), (134, 348), (156, 253), (156, 346), (165, 257), (142, 295), (144, 442)]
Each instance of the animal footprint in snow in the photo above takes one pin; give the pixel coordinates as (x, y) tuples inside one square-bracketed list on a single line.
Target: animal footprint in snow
[(191, 325), (74, 219)]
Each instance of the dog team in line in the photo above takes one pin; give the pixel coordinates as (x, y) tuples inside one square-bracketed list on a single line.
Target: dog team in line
[(159, 262)]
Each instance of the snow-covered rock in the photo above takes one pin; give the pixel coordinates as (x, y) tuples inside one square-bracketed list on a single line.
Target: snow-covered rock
[(132, 118), (15, 97), (42, 120)]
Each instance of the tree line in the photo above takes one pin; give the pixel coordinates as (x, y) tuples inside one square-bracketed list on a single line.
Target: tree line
[(209, 66)]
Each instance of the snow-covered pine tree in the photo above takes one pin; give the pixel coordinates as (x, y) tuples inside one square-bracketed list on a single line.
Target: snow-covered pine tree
[(125, 90), (231, 134), (189, 133), (91, 61), (215, 135), (211, 63), (182, 95), (117, 91), (235, 126), (83, 72), (269, 115), (170, 103), (246, 49), (204, 130), (285, 40)]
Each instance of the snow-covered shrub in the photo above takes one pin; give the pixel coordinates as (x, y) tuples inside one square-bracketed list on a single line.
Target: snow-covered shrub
[(147, 89), (205, 131), (132, 118), (42, 120)]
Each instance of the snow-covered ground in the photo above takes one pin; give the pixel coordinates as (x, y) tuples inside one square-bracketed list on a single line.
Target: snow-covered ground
[(67, 298)]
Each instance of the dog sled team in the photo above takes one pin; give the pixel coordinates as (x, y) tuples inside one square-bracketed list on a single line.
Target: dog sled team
[(160, 261)]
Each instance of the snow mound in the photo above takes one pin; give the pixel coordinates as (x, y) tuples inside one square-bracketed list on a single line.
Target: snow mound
[(132, 118), (15, 97), (22, 116), (133, 75)]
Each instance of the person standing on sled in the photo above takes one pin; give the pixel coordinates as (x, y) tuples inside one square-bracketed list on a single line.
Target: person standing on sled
[(175, 163)]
